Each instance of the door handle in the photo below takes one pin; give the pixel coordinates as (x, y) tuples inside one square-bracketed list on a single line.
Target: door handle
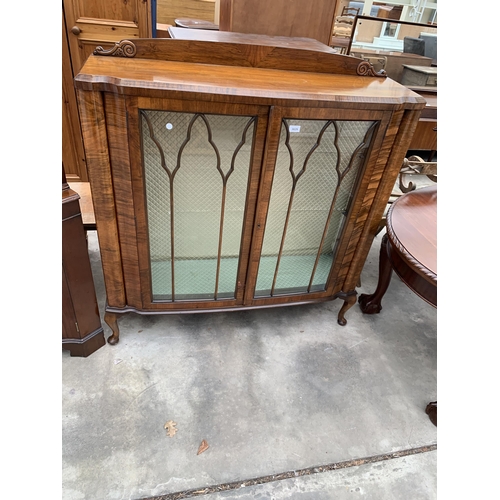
[(76, 30)]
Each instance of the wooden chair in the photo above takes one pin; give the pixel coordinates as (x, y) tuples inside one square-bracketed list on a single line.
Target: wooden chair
[(350, 11), (414, 165), (342, 29)]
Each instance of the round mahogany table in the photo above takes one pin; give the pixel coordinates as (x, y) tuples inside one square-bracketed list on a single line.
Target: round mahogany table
[(409, 247)]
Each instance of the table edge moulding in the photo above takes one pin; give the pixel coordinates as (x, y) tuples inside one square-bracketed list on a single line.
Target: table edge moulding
[(365, 119), (409, 248)]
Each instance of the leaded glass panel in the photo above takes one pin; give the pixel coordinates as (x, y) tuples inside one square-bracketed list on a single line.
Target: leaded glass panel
[(196, 174), (317, 165)]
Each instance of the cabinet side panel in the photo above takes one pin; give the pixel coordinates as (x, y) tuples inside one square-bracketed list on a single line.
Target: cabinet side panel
[(364, 198), (116, 123), (398, 137), (96, 149), (365, 190)]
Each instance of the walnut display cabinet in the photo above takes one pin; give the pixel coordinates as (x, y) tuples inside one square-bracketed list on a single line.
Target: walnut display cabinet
[(228, 176)]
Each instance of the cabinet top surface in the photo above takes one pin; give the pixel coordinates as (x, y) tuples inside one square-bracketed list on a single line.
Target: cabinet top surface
[(240, 71), (138, 76)]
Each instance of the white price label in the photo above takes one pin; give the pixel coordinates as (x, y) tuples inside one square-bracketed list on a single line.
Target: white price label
[(294, 128)]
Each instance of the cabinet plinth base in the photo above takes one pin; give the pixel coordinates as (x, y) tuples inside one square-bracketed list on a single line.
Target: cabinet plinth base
[(112, 314), (86, 346)]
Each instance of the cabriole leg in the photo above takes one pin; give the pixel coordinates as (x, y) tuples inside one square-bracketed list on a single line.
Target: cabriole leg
[(111, 320), (349, 301), (372, 304)]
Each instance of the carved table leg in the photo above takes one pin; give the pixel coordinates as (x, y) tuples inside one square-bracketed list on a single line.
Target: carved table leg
[(432, 411), (111, 320), (372, 304), (349, 301)]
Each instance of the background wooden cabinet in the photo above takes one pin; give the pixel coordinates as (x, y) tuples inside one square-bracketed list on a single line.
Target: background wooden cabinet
[(294, 18), (73, 155), (85, 25)]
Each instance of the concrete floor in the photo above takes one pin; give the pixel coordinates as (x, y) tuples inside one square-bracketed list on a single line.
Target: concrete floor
[(331, 412)]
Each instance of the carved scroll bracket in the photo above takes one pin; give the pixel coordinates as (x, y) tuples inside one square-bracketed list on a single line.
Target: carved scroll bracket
[(366, 68), (125, 48)]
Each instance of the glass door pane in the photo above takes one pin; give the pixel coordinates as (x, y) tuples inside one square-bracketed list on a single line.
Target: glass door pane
[(317, 165), (196, 174)]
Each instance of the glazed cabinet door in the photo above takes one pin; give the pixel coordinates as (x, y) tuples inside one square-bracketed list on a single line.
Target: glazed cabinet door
[(306, 202), (195, 171)]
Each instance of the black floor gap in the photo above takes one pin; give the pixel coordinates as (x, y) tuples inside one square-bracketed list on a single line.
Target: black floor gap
[(291, 474)]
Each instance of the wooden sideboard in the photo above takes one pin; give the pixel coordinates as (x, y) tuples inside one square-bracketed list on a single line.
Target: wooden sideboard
[(425, 136), (394, 61), (228, 176), (423, 76), (85, 25)]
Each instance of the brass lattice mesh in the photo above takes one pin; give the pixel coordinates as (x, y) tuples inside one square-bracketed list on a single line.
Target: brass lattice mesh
[(198, 153), (317, 165)]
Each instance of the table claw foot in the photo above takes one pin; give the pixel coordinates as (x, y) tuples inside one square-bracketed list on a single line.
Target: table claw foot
[(432, 410), (349, 301), (111, 320), (369, 304)]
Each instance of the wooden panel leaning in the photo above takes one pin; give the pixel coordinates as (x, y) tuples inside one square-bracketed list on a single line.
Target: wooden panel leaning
[(237, 174), (82, 332), (293, 18)]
